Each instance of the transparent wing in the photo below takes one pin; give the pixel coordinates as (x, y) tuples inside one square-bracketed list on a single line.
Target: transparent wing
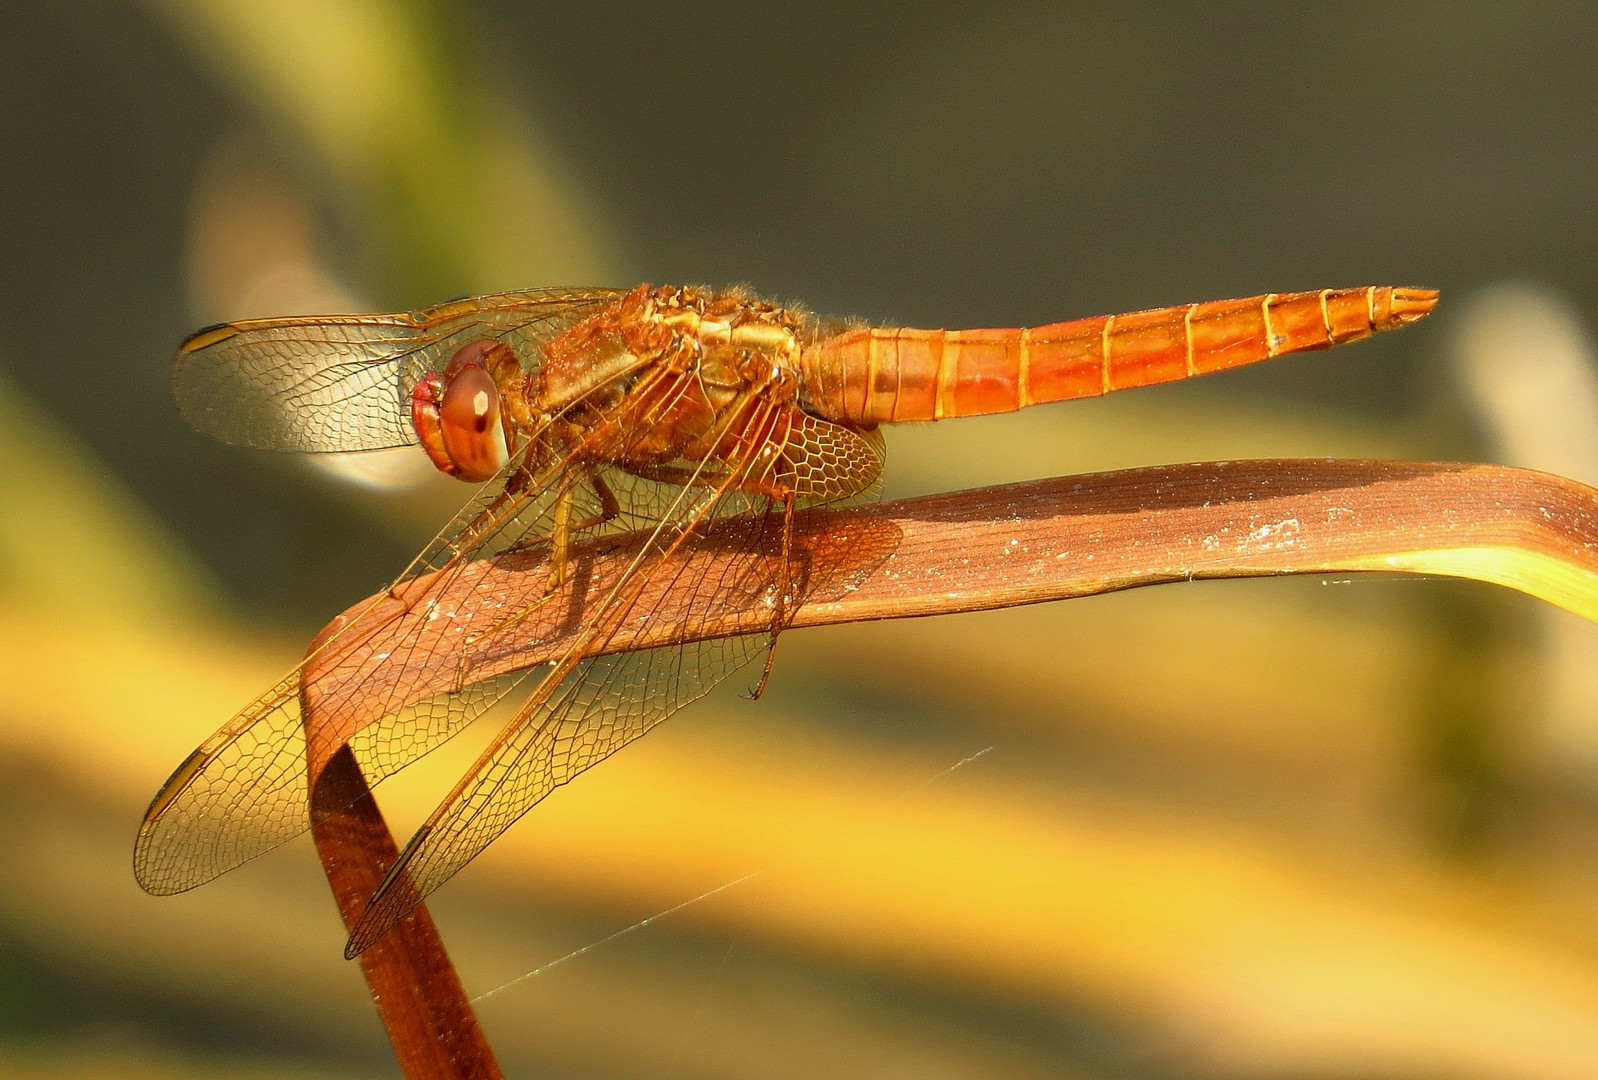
[(244, 790), (588, 705), (605, 703), (376, 679), (343, 382)]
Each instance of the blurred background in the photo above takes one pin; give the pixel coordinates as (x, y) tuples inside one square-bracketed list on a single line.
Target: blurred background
[(1260, 829)]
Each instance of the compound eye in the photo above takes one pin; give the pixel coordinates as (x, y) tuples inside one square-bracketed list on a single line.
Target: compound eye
[(469, 421)]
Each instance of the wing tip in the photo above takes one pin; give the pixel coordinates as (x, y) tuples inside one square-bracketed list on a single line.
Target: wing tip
[(395, 897), (207, 336), (383, 913), (156, 884), (152, 875), (175, 784)]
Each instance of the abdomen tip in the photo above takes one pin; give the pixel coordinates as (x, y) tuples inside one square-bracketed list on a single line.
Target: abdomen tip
[(1411, 304)]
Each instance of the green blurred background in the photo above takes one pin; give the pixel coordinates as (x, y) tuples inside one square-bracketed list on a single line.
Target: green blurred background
[(1285, 829)]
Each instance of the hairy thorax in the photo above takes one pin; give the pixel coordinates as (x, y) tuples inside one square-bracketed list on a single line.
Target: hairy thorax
[(678, 367)]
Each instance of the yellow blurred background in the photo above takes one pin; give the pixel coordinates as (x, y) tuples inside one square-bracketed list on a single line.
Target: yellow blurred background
[(1260, 829)]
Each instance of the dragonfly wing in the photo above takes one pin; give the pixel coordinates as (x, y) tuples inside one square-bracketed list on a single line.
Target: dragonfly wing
[(588, 706), (244, 791), (241, 793), (322, 383), (603, 704)]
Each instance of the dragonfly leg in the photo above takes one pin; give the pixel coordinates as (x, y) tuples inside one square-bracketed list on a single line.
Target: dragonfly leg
[(560, 535), (609, 510), (459, 545), (779, 608), (609, 506), (563, 526)]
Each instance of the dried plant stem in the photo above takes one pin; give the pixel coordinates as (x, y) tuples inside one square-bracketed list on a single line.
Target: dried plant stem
[(419, 997)]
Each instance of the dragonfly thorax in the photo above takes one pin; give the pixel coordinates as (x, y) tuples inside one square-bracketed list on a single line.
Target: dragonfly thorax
[(676, 367)]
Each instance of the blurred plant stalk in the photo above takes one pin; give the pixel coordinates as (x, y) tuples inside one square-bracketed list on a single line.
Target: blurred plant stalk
[(452, 186), (1527, 371)]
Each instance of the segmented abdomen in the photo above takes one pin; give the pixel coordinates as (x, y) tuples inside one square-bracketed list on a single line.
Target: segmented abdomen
[(874, 376)]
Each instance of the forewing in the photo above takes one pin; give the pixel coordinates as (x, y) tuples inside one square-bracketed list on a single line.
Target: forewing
[(244, 791), (324, 383)]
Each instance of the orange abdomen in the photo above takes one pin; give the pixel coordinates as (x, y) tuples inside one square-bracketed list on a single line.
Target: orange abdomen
[(877, 376)]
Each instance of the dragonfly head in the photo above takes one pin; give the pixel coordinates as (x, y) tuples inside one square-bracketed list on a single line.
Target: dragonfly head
[(459, 413)]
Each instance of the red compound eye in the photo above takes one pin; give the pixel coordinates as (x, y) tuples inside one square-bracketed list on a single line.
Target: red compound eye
[(457, 414), (469, 421)]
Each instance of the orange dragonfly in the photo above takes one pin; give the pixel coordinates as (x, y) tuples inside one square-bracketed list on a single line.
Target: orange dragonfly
[(653, 412)]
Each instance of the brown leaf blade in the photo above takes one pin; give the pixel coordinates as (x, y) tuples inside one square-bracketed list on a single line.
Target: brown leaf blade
[(1053, 540)]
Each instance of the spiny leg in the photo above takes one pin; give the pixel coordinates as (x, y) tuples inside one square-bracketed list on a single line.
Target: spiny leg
[(609, 505), (609, 510), (564, 527), (779, 609), (461, 544), (560, 535)]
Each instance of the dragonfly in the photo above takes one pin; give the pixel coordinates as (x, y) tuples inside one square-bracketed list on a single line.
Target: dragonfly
[(658, 416)]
